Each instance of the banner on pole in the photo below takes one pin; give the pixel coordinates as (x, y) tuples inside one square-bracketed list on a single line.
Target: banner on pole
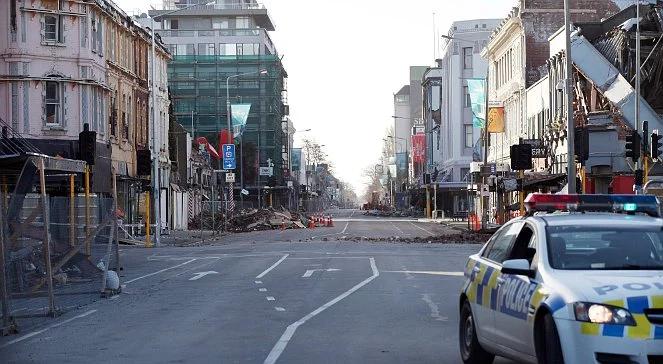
[(477, 90), (419, 148), (496, 119), (240, 114)]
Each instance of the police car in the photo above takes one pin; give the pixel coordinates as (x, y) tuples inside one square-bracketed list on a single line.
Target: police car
[(584, 285)]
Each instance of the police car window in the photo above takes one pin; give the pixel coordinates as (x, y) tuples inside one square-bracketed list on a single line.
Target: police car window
[(524, 246), (604, 248), (501, 246)]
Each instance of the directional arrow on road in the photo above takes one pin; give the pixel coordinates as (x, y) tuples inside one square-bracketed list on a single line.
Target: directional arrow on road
[(310, 272), (197, 276)]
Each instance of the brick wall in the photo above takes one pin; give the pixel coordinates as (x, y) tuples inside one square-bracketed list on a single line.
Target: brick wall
[(542, 18)]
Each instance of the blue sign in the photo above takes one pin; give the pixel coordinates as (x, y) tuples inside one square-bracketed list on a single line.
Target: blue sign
[(228, 151), (229, 164)]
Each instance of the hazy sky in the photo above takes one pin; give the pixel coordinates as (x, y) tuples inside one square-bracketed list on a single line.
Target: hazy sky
[(345, 60)]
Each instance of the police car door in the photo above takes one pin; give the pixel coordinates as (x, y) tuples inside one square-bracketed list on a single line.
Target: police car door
[(485, 275), (514, 293)]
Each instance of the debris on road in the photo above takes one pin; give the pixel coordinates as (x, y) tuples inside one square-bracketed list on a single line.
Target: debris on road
[(267, 219), (460, 238)]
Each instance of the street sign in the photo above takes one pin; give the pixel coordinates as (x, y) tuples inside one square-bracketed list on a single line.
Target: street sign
[(538, 149), (266, 171), (229, 164), (228, 151), (230, 178)]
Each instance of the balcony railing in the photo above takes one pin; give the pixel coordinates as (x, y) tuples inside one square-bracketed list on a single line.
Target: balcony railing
[(218, 6), (210, 33)]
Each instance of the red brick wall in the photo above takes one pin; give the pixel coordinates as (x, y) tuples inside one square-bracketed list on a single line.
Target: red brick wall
[(542, 18)]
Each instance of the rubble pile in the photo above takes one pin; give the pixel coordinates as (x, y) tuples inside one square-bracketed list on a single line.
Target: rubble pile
[(266, 219), (460, 238)]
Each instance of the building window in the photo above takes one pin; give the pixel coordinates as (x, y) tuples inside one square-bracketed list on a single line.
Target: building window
[(12, 11), (465, 174), (185, 50), (220, 24), (467, 98), (469, 137), (52, 28), (242, 22), (206, 49), (53, 103), (227, 49), (467, 57), (248, 49)]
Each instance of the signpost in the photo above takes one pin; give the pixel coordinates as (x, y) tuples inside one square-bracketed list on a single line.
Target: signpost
[(229, 163), (266, 171), (230, 177)]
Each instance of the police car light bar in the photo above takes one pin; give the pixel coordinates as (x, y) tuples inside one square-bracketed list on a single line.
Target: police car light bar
[(631, 204)]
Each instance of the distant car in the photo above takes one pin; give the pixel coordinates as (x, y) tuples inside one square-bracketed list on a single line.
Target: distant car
[(581, 286)]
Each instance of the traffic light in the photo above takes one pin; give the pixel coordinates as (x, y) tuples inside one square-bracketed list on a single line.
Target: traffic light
[(87, 144), (521, 157), (655, 146), (633, 146), (582, 144)]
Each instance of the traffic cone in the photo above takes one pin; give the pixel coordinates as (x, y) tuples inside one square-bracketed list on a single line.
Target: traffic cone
[(282, 224), (311, 223), (331, 222)]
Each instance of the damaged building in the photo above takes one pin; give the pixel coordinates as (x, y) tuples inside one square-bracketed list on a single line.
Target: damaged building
[(604, 68)]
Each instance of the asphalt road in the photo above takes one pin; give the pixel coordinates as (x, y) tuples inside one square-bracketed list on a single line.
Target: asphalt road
[(266, 297)]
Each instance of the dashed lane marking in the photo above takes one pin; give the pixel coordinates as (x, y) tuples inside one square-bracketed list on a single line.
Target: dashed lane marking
[(272, 267), (280, 309), (262, 290), (281, 344), (258, 282), (434, 309), (270, 298)]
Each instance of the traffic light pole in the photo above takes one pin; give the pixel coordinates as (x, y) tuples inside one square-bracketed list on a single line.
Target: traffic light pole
[(570, 121), (637, 187)]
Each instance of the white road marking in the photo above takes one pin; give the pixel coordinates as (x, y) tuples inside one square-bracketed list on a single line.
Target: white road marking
[(309, 272), (420, 228), (434, 309), (262, 290), (258, 282), (270, 298), (397, 228), (434, 273), (199, 275), (160, 271), (272, 267), (353, 212), (281, 344), (280, 309), (345, 228), (27, 336)]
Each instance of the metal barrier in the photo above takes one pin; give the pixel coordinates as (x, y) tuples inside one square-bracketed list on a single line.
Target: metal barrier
[(55, 254)]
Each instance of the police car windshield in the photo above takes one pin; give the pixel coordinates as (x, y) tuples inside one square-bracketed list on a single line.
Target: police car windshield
[(605, 248)]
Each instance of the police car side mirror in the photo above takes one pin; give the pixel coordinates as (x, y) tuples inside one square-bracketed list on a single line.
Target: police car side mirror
[(518, 267)]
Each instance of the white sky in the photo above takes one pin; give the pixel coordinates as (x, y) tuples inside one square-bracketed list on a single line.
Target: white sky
[(345, 60)]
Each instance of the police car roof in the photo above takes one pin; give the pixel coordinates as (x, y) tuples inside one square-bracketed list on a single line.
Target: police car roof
[(600, 219)]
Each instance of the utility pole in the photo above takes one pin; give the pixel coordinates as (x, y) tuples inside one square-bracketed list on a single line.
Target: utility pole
[(638, 163), (570, 120)]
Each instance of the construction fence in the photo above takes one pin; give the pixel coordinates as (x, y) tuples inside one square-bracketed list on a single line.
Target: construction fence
[(56, 254)]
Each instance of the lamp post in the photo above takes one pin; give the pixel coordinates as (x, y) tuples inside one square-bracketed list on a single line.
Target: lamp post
[(156, 183), (570, 121), (229, 208)]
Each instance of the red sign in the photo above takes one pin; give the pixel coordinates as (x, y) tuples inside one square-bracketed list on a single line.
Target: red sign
[(419, 148), (208, 146)]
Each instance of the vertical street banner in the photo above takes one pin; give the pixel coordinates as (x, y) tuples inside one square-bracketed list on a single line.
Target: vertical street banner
[(496, 119), (419, 148), (401, 165), (296, 160), (240, 113), (477, 90)]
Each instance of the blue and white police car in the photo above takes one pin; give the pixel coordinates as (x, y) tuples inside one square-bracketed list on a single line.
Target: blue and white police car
[(579, 279)]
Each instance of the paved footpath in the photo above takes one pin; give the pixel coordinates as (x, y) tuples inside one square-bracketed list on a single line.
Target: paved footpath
[(266, 297)]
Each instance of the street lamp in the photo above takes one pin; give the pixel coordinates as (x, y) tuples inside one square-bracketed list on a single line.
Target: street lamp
[(156, 184), (230, 137)]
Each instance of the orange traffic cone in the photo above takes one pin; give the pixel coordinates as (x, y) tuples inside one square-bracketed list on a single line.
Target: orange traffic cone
[(311, 223), (330, 223), (282, 224)]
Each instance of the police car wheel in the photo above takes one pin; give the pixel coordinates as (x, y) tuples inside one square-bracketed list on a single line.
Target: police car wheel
[(550, 349), (470, 349)]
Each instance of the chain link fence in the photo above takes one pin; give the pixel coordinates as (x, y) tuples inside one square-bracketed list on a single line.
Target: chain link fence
[(56, 256)]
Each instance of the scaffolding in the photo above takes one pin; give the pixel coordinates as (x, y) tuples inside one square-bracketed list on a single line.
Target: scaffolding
[(198, 92)]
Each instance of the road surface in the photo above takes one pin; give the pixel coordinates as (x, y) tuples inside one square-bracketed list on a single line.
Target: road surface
[(266, 297)]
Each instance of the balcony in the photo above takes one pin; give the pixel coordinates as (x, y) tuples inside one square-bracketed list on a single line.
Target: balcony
[(255, 10)]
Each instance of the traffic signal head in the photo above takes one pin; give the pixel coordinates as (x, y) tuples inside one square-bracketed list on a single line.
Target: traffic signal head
[(633, 146), (521, 157), (655, 146)]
